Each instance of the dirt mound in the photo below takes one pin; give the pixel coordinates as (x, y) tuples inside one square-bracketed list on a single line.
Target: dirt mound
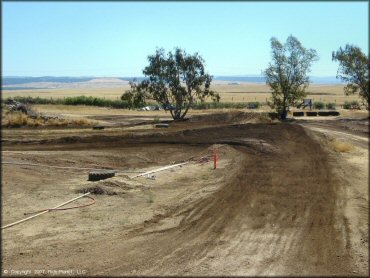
[(97, 190), (233, 117), (112, 186)]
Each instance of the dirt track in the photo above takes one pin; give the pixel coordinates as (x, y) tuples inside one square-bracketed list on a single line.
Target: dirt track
[(273, 207)]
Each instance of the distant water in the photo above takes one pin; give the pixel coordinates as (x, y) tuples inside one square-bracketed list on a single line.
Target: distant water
[(16, 80)]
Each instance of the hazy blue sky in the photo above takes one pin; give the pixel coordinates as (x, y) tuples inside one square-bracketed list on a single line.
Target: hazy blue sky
[(115, 38)]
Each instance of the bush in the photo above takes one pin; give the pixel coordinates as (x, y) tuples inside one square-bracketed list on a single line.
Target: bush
[(351, 105), (330, 106), (124, 104), (218, 105), (156, 120), (253, 105), (78, 100), (318, 105), (36, 100)]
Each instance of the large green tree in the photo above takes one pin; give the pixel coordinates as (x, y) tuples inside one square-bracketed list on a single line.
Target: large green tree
[(174, 80), (287, 73), (354, 70)]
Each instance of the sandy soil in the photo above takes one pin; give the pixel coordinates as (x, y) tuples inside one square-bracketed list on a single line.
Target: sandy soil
[(280, 203)]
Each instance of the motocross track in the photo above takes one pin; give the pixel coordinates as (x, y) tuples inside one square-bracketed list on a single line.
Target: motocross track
[(272, 208)]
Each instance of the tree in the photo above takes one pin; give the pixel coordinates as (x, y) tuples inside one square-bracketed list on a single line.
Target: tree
[(174, 80), (134, 97), (287, 73), (354, 70)]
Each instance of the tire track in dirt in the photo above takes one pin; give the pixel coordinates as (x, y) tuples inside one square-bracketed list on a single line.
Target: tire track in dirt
[(275, 214), (255, 224)]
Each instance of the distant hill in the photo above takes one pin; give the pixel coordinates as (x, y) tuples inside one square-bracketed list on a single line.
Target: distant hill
[(26, 82), (16, 80), (249, 79), (261, 79)]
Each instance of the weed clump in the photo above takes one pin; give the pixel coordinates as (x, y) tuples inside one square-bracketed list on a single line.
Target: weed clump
[(341, 147)]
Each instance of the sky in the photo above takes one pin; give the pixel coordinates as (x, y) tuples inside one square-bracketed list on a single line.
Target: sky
[(113, 39)]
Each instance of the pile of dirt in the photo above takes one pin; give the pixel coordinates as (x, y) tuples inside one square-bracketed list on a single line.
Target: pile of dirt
[(232, 117), (112, 186), (96, 190)]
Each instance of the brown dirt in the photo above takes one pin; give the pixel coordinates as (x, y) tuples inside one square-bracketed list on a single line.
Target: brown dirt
[(273, 207)]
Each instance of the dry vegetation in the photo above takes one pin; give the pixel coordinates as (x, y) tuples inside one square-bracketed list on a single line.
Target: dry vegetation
[(340, 147), (18, 119), (242, 92)]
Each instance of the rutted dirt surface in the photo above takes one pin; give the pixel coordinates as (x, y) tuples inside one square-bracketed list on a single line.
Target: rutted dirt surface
[(352, 170), (275, 205)]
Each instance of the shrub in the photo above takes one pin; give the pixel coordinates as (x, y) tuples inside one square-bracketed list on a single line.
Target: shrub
[(318, 105), (253, 105), (156, 120), (218, 105), (351, 105), (347, 105), (78, 100), (330, 106)]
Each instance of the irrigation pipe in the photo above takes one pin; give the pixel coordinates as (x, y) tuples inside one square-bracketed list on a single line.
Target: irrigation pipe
[(78, 206), (43, 212), (64, 167), (159, 169)]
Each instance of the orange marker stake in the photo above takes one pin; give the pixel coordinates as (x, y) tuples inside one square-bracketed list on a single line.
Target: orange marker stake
[(215, 157)]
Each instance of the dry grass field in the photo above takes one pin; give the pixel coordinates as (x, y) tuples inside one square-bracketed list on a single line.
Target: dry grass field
[(241, 92)]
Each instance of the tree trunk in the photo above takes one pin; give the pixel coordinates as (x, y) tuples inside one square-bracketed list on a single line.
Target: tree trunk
[(284, 113), (186, 110)]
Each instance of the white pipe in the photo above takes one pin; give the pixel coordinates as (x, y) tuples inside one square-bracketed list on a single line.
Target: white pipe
[(64, 167), (159, 169), (38, 214)]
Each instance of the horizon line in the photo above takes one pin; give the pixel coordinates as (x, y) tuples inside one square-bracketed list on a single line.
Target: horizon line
[(132, 76)]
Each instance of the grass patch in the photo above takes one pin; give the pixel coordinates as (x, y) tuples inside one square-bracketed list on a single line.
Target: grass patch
[(340, 147)]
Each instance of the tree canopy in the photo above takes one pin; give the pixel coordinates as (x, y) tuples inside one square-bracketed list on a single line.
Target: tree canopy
[(354, 70), (175, 80), (287, 73)]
